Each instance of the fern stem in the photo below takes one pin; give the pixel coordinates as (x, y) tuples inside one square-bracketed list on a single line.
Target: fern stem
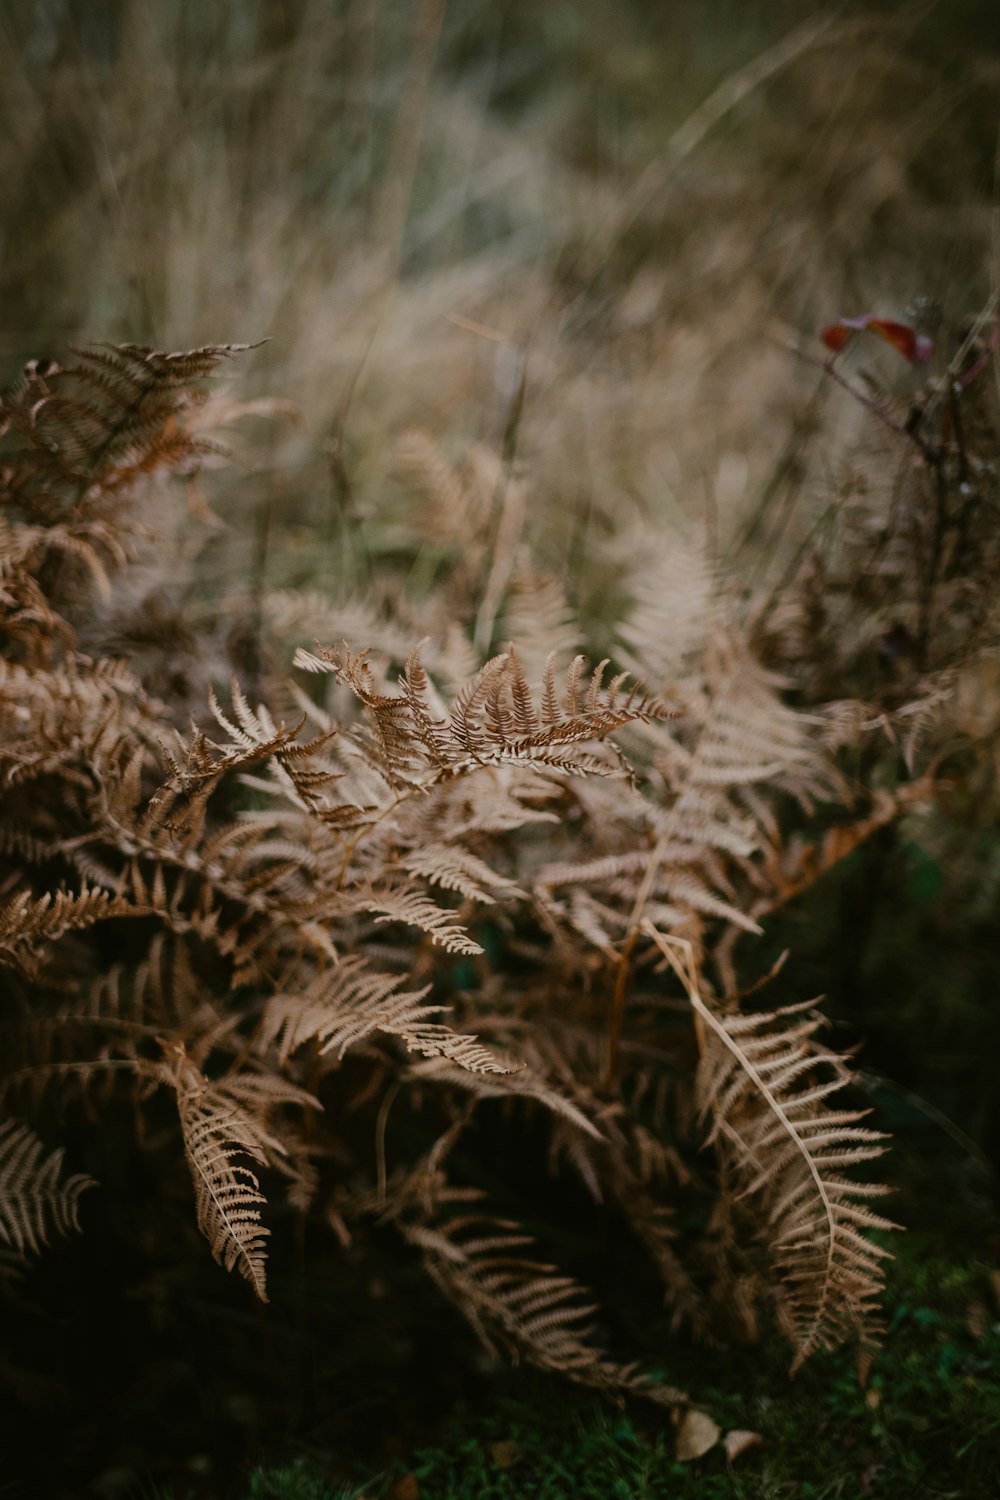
[(381, 1124)]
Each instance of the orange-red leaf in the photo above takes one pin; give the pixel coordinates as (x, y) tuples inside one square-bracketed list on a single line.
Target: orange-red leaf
[(913, 346)]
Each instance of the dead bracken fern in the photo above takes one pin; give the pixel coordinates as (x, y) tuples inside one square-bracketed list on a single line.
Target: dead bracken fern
[(439, 878), (219, 1134), (765, 1085), (36, 1201), (522, 1304)]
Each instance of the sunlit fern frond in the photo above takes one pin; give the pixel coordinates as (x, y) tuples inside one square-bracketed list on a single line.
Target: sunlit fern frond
[(494, 719), (36, 1202)]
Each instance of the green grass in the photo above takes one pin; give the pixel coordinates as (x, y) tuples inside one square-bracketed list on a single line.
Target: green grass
[(927, 1424)]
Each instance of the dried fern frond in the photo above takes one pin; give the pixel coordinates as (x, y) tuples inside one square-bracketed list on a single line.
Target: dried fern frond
[(522, 1083), (494, 719), (26, 923), (674, 605), (349, 1002), (456, 869), (83, 432), (409, 905), (765, 1084), (539, 618), (302, 898), (219, 1134), (251, 739), (34, 1203), (521, 1304)]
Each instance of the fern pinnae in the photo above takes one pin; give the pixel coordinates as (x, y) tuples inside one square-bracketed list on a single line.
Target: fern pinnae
[(430, 727), (465, 725), (217, 1131), (789, 1150), (350, 1002), (523, 1303), (34, 1203), (412, 906), (26, 921), (456, 869), (522, 1082)]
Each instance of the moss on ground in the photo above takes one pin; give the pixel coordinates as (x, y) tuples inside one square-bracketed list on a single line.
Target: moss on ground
[(927, 1423)]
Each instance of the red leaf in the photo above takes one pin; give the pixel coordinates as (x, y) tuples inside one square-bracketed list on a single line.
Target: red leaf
[(913, 346), (837, 335)]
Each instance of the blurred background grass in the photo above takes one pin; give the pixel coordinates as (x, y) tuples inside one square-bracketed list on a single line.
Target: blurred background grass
[(643, 203)]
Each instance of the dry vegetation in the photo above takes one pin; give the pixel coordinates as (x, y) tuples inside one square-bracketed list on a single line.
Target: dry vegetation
[(416, 864)]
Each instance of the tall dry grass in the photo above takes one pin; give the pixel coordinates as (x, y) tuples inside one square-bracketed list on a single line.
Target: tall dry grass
[(637, 207)]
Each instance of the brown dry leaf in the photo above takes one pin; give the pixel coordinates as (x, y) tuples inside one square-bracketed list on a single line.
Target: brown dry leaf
[(405, 1488), (977, 1319), (740, 1441), (696, 1433), (505, 1454)]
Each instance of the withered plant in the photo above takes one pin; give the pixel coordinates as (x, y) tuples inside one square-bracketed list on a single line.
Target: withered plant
[(446, 880)]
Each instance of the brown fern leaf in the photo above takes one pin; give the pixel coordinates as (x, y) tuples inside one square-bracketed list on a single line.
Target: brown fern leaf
[(765, 1083), (26, 923), (455, 869), (75, 441), (493, 719), (525, 1083), (253, 738), (219, 1134), (674, 605), (521, 1304), (388, 715), (34, 1203), (346, 1004), (91, 428), (409, 904)]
